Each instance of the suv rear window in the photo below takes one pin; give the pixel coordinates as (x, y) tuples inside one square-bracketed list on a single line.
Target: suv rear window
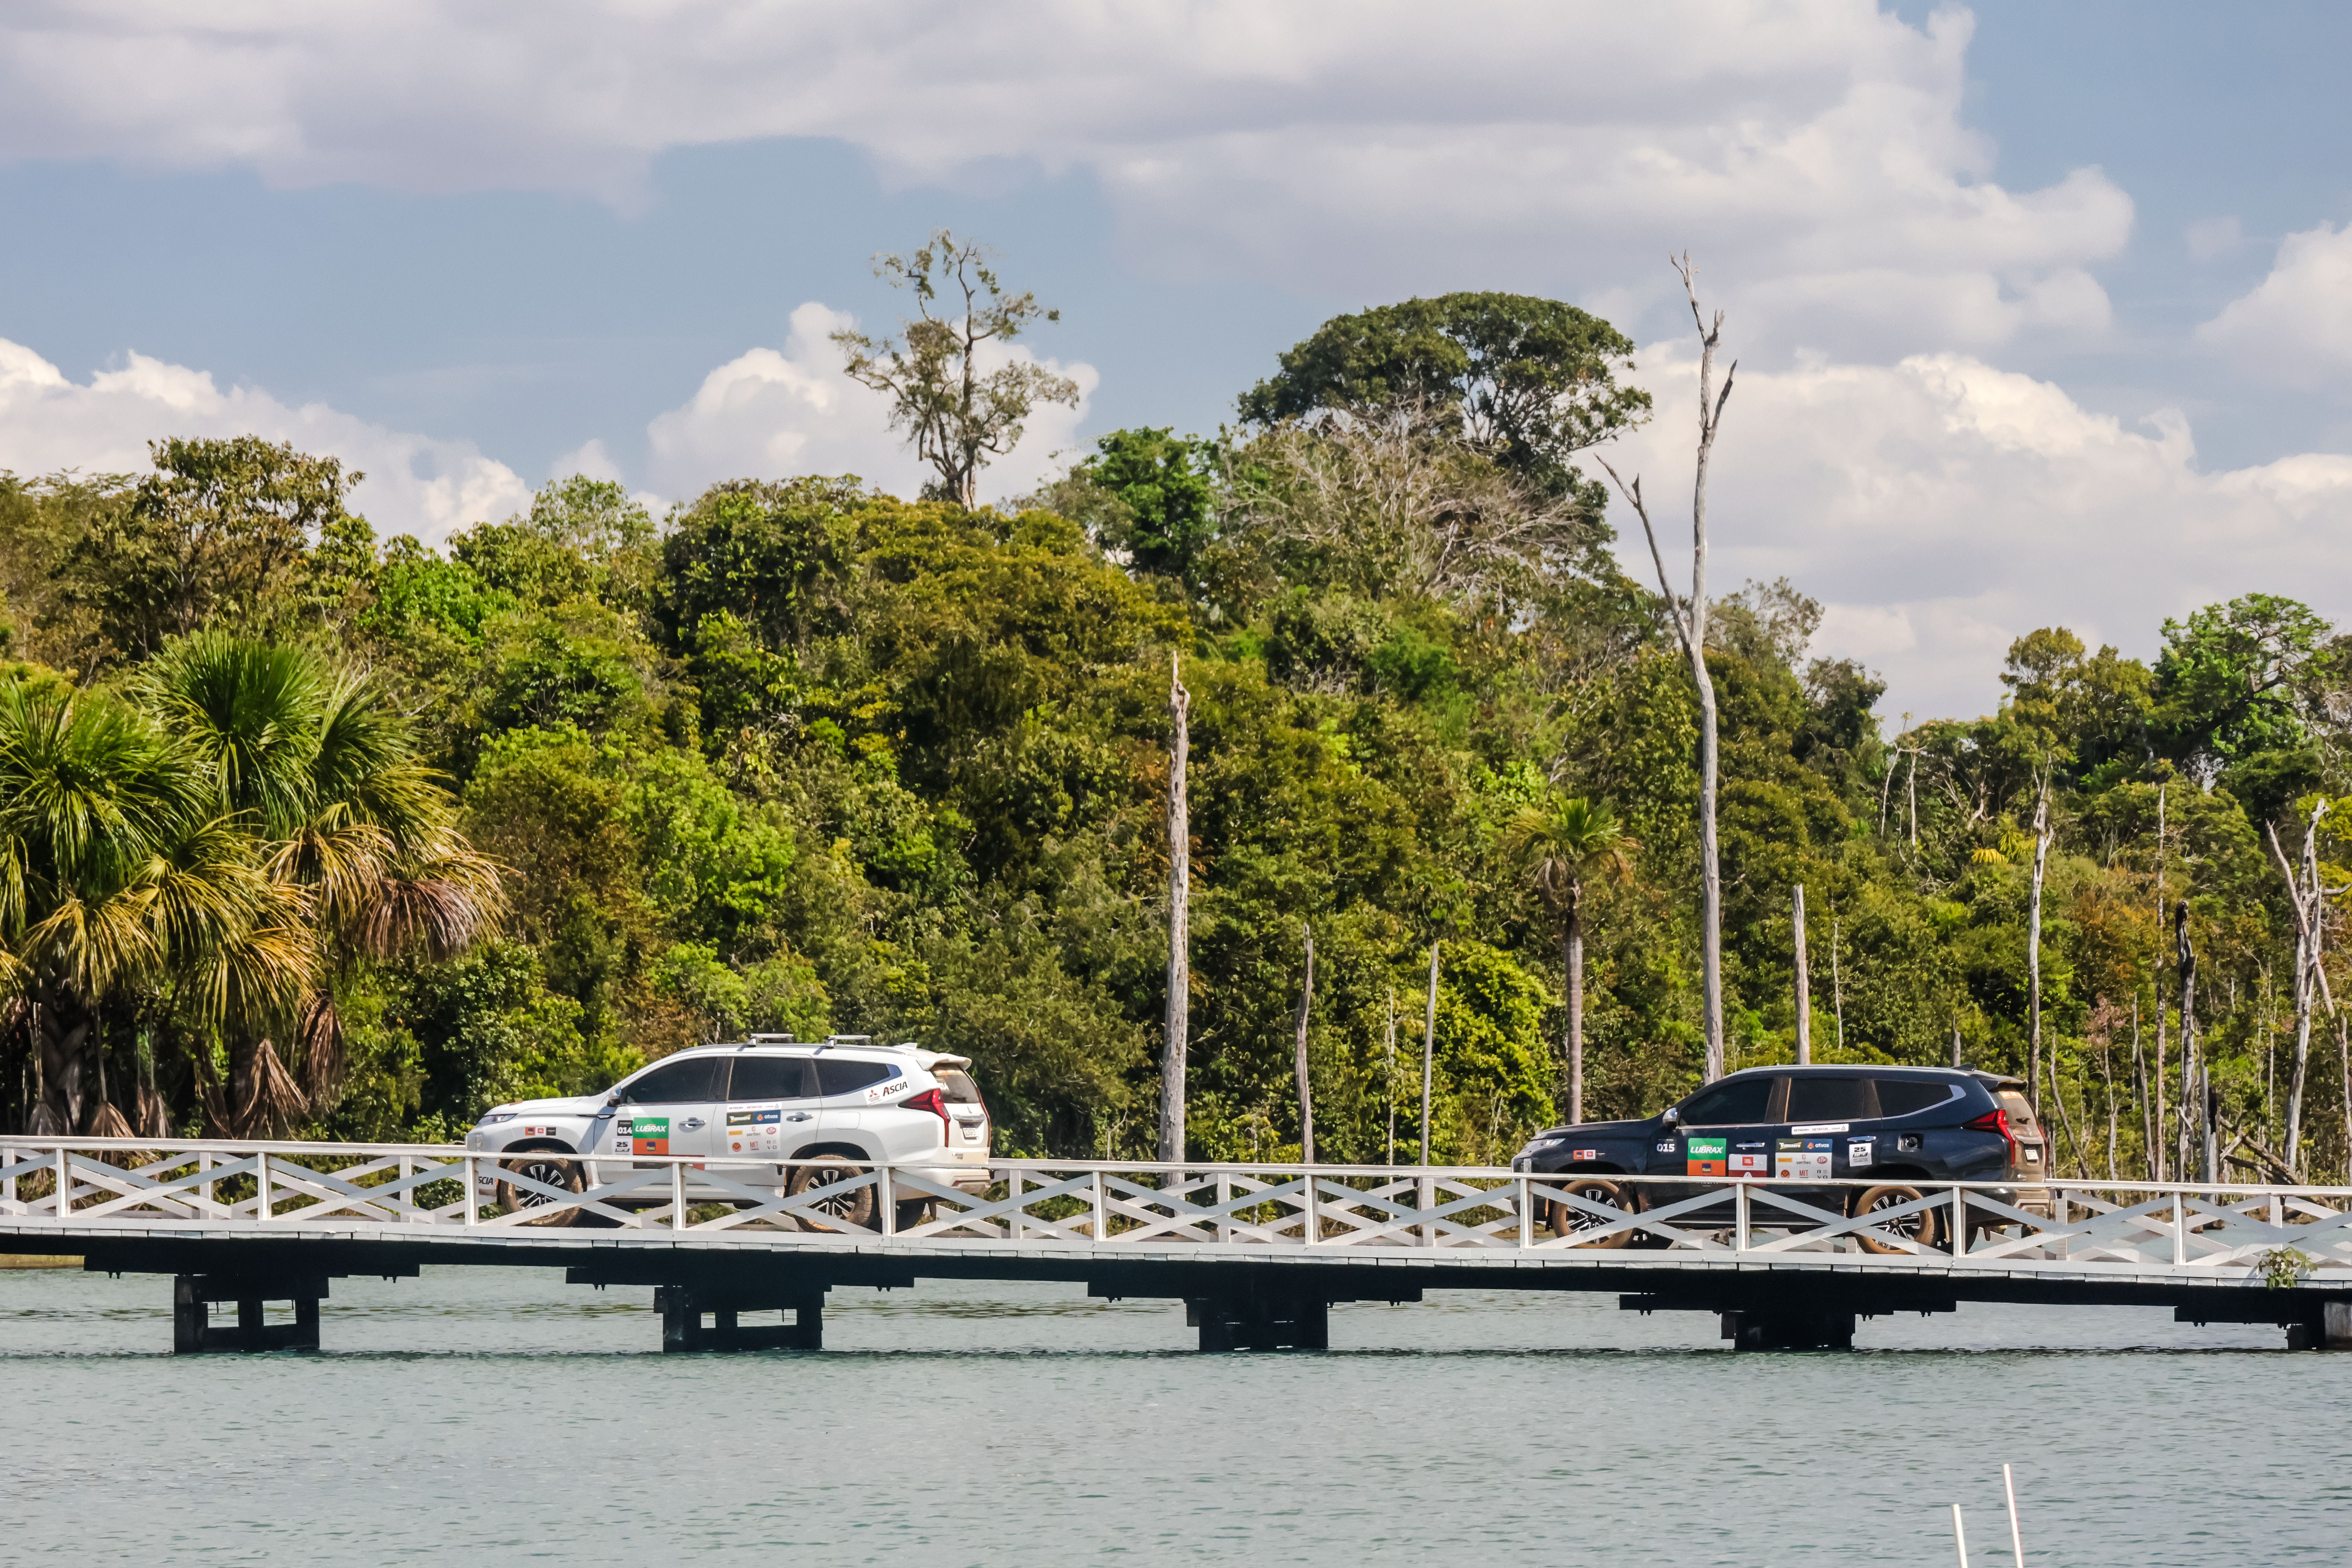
[(1730, 1103), (678, 1083), (1902, 1095), (1814, 1099), (837, 1075), (957, 1086), (772, 1078)]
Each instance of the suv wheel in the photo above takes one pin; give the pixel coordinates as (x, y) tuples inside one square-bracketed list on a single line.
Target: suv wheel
[(1918, 1226), (853, 1209), (1568, 1222), (564, 1174)]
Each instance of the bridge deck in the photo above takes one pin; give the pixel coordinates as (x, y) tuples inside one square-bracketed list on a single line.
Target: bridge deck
[(258, 1211)]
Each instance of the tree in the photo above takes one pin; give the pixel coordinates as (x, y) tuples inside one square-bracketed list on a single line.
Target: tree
[(357, 838), (1688, 618), (1561, 843), (1166, 498), (959, 413), (1529, 382), (115, 869), (2235, 679), (216, 530)]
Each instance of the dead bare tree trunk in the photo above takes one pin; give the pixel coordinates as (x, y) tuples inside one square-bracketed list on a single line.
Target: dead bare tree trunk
[(1575, 939), (2139, 1080), (2033, 939), (2304, 897), (1180, 880), (1837, 987), (2185, 959), (1428, 1052), (1306, 1082), (1690, 628), (1804, 987), (2153, 1109), (1388, 1157)]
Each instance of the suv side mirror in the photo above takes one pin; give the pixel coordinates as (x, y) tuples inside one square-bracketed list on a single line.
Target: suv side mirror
[(614, 1098), (1673, 1114)]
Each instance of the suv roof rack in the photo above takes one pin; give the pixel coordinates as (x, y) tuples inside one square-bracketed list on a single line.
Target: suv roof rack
[(770, 1040)]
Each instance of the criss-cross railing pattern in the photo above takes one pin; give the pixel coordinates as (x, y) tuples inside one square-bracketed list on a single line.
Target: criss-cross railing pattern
[(94, 1185)]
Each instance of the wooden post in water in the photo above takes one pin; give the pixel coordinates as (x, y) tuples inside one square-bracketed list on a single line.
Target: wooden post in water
[(1428, 1052), (1804, 989), (1306, 1082), (1179, 877)]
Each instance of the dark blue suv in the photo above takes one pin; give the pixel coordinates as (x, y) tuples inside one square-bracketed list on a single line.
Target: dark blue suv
[(1884, 1124)]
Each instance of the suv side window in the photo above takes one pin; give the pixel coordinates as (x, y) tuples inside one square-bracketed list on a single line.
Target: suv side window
[(1812, 1098), (696, 1079), (772, 1078), (1740, 1101), (837, 1075), (1903, 1096)]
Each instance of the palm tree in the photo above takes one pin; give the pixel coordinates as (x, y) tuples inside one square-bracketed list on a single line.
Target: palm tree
[(115, 867), (1561, 842), (358, 837)]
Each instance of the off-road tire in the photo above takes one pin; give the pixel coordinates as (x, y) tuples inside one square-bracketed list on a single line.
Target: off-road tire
[(1922, 1227), (568, 1174), (1566, 1220), (855, 1210)]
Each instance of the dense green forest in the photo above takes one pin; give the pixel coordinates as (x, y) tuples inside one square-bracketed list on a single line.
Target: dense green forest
[(313, 832)]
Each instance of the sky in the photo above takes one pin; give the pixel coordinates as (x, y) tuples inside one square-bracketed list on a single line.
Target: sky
[(2043, 314)]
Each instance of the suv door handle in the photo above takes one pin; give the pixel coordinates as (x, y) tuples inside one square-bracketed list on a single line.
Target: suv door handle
[(693, 1122), (798, 1116)]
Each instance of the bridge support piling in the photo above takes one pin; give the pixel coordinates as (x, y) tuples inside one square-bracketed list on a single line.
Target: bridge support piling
[(683, 1307), (1789, 1329), (1257, 1323), (194, 1295)]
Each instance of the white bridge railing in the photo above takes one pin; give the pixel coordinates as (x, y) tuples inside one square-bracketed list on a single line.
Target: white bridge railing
[(91, 1187)]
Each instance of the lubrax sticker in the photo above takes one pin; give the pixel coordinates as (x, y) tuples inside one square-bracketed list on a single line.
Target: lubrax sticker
[(1707, 1157)]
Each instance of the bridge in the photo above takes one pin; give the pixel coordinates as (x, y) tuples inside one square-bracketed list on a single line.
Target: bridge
[(1258, 1253)]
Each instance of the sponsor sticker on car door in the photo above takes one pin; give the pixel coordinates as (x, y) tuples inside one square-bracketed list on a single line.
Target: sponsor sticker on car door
[(1858, 1153), (756, 1132), (1802, 1159), (1751, 1157), (1707, 1156), (650, 1135)]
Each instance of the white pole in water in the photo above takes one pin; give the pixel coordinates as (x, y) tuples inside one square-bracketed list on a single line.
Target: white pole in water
[(2009, 1484), (1960, 1536)]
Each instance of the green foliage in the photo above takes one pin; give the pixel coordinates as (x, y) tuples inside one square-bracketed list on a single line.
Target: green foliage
[(1165, 493), (807, 756), (1529, 381)]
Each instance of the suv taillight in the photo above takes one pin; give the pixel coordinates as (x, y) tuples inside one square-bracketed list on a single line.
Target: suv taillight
[(1996, 1121), (932, 1101)]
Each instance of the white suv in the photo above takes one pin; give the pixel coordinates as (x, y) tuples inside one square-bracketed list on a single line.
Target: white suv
[(817, 1111)]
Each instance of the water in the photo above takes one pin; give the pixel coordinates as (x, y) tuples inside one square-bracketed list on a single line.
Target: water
[(494, 1415)]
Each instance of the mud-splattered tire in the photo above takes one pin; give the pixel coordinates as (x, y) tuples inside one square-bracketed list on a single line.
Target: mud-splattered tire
[(1919, 1226), (567, 1176), (1566, 1221)]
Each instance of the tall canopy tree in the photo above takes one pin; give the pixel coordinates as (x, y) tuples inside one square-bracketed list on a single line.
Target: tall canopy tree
[(957, 411), (1530, 382)]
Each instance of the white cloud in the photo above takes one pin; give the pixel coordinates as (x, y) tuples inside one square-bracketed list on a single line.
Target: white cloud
[(2295, 326), (1347, 146), (777, 413), (1941, 508), (415, 484)]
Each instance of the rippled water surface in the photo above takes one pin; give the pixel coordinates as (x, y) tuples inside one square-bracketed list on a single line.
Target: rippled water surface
[(496, 1415)]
